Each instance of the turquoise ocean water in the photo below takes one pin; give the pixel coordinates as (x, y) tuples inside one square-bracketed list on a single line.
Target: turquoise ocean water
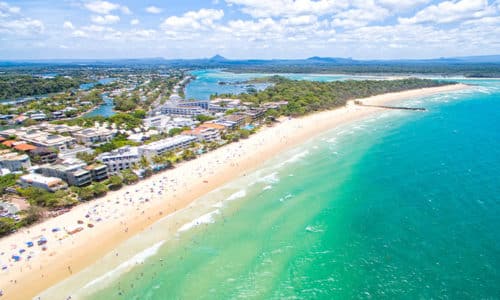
[(401, 205)]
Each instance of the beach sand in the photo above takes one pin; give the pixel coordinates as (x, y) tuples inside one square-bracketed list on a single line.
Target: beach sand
[(122, 214)]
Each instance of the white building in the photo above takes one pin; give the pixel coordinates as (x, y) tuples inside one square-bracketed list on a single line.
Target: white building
[(51, 184), (13, 161), (164, 123), (90, 136), (168, 144), (121, 159), (204, 134)]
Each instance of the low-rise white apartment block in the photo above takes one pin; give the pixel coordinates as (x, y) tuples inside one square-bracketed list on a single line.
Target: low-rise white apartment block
[(168, 144), (90, 136), (72, 173), (204, 134), (13, 161), (164, 123), (50, 184), (121, 159), (40, 138)]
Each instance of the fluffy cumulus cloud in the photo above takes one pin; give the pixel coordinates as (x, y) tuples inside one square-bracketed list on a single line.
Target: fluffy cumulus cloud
[(277, 28), (276, 8), (153, 9), (452, 11), (106, 19), (12, 22), (7, 9), (105, 7), (202, 19), (68, 25)]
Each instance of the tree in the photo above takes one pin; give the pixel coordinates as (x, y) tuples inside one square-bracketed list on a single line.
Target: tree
[(243, 133), (86, 157), (86, 193), (204, 118), (32, 215), (7, 181), (188, 154), (143, 162), (7, 225), (100, 189), (129, 177), (115, 182)]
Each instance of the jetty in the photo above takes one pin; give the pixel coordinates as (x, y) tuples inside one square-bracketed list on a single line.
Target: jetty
[(360, 103)]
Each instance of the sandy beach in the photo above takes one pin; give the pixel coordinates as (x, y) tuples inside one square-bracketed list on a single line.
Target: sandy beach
[(124, 213)]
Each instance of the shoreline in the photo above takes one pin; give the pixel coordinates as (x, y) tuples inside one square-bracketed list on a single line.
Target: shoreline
[(182, 185)]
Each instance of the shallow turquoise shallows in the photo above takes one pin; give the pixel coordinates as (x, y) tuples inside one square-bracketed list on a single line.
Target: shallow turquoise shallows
[(402, 205)]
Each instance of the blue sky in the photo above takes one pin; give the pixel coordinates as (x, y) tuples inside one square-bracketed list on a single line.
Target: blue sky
[(363, 29)]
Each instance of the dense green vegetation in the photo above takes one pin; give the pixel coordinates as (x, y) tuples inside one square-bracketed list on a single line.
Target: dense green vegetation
[(486, 70), (308, 96), (15, 86), (118, 141), (123, 120)]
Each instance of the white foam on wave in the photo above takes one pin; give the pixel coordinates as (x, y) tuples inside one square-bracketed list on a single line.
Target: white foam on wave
[(314, 229), (204, 219), (239, 194), (295, 158), (271, 178), (123, 267), (267, 187)]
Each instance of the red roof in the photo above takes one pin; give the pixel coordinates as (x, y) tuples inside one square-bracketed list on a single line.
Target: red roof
[(24, 147), (8, 143)]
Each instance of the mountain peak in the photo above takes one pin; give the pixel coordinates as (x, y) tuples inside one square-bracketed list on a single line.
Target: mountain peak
[(218, 57)]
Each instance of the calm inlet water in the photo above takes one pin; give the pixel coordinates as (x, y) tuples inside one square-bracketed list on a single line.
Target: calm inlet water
[(399, 205), (207, 82)]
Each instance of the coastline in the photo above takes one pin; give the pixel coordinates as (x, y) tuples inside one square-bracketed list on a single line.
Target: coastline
[(192, 180)]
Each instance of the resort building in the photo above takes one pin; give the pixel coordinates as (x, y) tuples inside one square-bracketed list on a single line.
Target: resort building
[(43, 155), (204, 134), (254, 114), (121, 159), (274, 105), (40, 137), (239, 118), (73, 174), (90, 136), (164, 123), (98, 172), (13, 161), (71, 153), (183, 110), (50, 184), (168, 144)]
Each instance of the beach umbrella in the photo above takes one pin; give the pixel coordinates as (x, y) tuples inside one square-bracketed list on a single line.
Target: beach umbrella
[(16, 257), (29, 244)]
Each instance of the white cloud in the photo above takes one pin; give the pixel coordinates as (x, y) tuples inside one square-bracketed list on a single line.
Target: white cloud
[(105, 7), (193, 20), (276, 8), (451, 11), (68, 25), (6, 9), (79, 33), (153, 9), (23, 26), (361, 15), (135, 22), (402, 5), (104, 20)]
